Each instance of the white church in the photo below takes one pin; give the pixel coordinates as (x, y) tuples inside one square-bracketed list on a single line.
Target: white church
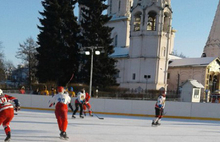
[(144, 41)]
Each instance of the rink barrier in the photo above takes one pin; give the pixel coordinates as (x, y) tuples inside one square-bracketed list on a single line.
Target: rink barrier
[(141, 108)]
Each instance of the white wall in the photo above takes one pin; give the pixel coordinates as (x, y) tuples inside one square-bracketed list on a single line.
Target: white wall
[(132, 107)]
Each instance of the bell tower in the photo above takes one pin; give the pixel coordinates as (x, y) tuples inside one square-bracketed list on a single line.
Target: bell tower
[(151, 42), (212, 47), (120, 12)]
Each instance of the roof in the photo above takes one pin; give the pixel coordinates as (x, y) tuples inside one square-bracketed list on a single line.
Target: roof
[(116, 18), (171, 57), (120, 52), (124, 51), (191, 61), (194, 83)]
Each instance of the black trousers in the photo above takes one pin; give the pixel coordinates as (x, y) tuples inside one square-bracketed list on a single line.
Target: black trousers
[(77, 106), (159, 112)]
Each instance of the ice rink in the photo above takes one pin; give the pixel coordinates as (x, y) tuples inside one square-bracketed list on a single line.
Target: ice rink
[(41, 126)]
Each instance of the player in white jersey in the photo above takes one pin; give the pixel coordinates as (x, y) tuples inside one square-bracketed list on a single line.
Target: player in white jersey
[(159, 108), (80, 100), (61, 100)]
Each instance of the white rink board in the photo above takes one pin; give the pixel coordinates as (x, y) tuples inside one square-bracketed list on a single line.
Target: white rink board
[(133, 107)]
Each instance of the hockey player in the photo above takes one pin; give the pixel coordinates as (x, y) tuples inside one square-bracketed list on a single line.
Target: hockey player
[(71, 92), (7, 112), (159, 108), (79, 103), (61, 100), (87, 105)]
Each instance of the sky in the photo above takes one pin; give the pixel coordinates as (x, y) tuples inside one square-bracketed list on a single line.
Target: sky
[(191, 18), (41, 126)]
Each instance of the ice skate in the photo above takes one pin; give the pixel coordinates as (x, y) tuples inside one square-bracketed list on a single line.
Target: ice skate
[(158, 122), (81, 116), (91, 115), (154, 123), (8, 138), (73, 116), (63, 136)]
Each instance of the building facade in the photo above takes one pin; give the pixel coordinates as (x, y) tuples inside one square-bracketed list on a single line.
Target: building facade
[(151, 43), (204, 70), (121, 16)]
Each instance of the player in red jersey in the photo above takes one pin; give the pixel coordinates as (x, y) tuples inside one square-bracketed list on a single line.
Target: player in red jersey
[(61, 100), (7, 112), (87, 105)]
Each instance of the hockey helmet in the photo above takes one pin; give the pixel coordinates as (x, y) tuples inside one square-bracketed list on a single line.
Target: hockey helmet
[(71, 88), (60, 89), (1, 92)]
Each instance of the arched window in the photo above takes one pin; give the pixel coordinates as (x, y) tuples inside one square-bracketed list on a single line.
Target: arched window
[(137, 21), (151, 23)]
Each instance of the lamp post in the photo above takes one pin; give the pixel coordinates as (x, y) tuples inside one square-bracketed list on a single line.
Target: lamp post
[(92, 48)]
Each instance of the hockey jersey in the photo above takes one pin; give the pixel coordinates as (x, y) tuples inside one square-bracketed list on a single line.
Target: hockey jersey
[(160, 102), (61, 98), (87, 97), (5, 102), (80, 97)]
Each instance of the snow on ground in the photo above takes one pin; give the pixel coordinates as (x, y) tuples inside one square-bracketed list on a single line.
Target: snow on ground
[(41, 126)]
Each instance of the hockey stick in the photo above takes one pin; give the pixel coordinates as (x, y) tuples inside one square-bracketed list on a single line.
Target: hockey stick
[(94, 113), (70, 79), (164, 113), (97, 116)]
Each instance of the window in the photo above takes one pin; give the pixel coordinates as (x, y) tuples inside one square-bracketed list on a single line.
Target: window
[(119, 5), (137, 21), (168, 76), (196, 93), (110, 7), (151, 23), (116, 40), (133, 77)]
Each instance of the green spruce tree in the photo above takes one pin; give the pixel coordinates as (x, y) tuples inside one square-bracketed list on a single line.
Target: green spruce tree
[(97, 34), (58, 53)]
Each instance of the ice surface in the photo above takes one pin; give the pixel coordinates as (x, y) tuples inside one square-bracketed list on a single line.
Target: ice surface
[(41, 126)]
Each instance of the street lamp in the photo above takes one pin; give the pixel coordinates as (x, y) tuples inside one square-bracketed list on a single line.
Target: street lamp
[(92, 48)]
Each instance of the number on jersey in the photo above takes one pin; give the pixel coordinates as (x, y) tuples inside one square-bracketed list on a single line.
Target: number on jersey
[(3, 100), (61, 100)]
